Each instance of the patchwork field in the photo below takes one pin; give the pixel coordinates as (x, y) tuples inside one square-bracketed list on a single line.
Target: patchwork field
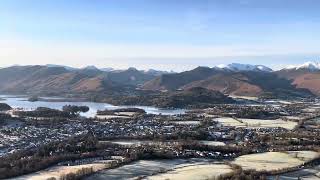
[(112, 117), (256, 123), (269, 161), (252, 98), (186, 122), (306, 173), (181, 169), (143, 168), (147, 142), (272, 161), (199, 172), (212, 143), (58, 171)]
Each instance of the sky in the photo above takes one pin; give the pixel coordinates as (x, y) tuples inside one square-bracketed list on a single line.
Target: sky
[(160, 34)]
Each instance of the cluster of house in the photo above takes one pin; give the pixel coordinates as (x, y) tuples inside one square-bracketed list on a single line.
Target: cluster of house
[(26, 135)]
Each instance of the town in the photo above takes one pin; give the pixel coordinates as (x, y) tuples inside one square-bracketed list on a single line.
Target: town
[(43, 138)]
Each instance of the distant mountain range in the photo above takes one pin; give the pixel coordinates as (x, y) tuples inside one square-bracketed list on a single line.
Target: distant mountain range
[(233, 79), (244, 67), (60, 79), (107, 69), (305, 76), (310, 66), (244, 80)]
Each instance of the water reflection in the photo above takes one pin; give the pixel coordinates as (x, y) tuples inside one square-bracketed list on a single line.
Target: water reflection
[(21, 102)]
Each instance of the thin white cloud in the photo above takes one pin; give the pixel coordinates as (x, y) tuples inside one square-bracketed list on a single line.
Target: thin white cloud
[(146, 56)]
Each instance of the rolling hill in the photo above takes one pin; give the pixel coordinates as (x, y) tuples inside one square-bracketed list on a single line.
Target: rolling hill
[(247, 82), (305, 76), (58, 79), (233, 79)]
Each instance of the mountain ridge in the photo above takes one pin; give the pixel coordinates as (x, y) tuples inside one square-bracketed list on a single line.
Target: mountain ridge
[(244, 67), (306, 76), (57, 79), (311, 66), (233, 79), (244, 81)]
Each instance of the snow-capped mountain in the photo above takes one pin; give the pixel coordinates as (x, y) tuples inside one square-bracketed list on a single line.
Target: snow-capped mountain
[(66, 67), (312, 66), (157, 72), (244, 67), (91, 67), (107, 69)]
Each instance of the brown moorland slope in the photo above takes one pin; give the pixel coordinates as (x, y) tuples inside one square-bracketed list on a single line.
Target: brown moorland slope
[(246, 83), (59, 80), (233, 84), (303, 78), (309, 81)]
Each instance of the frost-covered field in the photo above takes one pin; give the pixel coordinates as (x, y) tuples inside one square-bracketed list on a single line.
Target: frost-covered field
[(111, 117), (149, 142), (252, 98), (186, 122), (307, 173), (212, 143), (58, 171), (271, 161), (226, 121), (256, 123), (144, 168), (177, 169), (199, 172)]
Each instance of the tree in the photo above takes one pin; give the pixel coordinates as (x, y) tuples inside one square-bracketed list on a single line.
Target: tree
[(33, 99), (5, 107), (75, 110)]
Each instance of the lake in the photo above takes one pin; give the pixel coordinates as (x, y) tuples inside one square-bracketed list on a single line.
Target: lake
[(22, 102)]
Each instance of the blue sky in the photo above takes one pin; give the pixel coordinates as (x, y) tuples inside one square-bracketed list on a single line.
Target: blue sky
[(160, 34)]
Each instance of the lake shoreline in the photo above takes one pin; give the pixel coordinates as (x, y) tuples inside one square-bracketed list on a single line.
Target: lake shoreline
[(21, 101)]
